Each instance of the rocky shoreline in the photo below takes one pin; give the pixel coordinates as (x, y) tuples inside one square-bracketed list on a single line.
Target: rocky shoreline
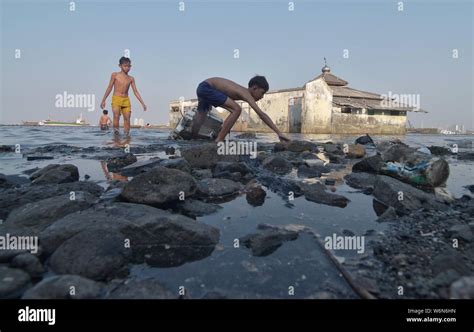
[(90, 237)]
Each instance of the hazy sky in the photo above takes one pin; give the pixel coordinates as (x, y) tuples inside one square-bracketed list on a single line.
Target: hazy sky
[(402, 52)]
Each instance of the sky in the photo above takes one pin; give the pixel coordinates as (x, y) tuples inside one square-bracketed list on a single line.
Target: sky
[(47, 50)]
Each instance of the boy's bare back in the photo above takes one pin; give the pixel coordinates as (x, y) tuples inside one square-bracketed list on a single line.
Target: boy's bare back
[(104, 119), (122, 83), (230, 88)]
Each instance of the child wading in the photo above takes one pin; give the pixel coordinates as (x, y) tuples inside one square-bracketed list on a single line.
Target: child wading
[(121, 82)]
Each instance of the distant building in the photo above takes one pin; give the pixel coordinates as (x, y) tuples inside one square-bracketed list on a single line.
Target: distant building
[(324, 105)]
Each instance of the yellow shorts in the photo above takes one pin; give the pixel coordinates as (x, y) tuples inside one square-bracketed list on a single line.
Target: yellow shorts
[(121, 103)]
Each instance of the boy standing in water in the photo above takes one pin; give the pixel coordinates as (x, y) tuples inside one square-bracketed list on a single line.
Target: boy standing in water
[(105, 121), (218, 91), (121, 82)]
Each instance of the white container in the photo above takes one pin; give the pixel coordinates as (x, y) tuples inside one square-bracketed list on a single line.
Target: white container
[(209, 129)]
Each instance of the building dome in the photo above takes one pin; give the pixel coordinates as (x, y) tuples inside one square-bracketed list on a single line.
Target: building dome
[(326, 69)]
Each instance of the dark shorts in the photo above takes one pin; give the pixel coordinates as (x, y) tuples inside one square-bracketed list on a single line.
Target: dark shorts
[(208, 97), (104, 127)]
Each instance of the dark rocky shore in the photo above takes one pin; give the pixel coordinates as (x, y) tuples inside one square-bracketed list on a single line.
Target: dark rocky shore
[(90, 237)]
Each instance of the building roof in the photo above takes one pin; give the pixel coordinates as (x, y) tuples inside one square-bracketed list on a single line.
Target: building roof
[(332, 80), (345, 91)]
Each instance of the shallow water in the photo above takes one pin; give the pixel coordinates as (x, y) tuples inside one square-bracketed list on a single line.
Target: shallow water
[(234, 272)]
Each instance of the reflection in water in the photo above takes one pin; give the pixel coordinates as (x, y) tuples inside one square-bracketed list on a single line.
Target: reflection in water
[(121, 143), (111, 176)]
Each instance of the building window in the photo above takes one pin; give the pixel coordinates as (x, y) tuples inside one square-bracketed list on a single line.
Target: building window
[(398, 113), (370, 112), (346, 110)]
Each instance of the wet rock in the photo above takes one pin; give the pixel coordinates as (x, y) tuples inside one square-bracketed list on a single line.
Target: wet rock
[(157, 237), (364, 140), (335, 158), (57, 149), (6, 256), (330, 182), (279, 146), (204, 156), (139, 289), (13, 181), (30, 171), (462, 289), (223, 167), (194, 208), (403, 197), (255, 194), (470, 188), (177, 163), (169, 150), (29, 263), (12, 282), (318, 165), (439, 150), (39, 157), (267, 241), (332, 148), (449, 259), (40, 214), (369, 165), (277, 165), (360, 180), (379, 208), (300, 146), (282, 186), (249, 135), (462, 232), (97, 254), (217, 187), (140, 167), (262, 155), (12, 198), (159, 186), (316, 193), (116, 163), (389, 214), (347, 232), (465, 155), (202, 173), (308, 155), (308, 172), (7, 148), (65, 287), (400, 153), (437, 173), (54, 174), (112, 193), (355, 151)]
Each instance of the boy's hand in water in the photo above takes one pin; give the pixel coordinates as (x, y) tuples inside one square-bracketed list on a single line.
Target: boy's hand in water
[(102, 105), (283, 138)]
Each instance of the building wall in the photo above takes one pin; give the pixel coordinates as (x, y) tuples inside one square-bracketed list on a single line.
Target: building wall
[(317, 108), (275, 105), (370, 124)]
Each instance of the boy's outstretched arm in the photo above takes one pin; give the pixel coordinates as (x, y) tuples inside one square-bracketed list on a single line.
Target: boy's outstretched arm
[(265, 118), (137, 94), (107, 92)]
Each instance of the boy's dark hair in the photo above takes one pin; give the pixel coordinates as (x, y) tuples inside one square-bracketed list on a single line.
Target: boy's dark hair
[(124, 60), (259, 81), (105, 112)]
